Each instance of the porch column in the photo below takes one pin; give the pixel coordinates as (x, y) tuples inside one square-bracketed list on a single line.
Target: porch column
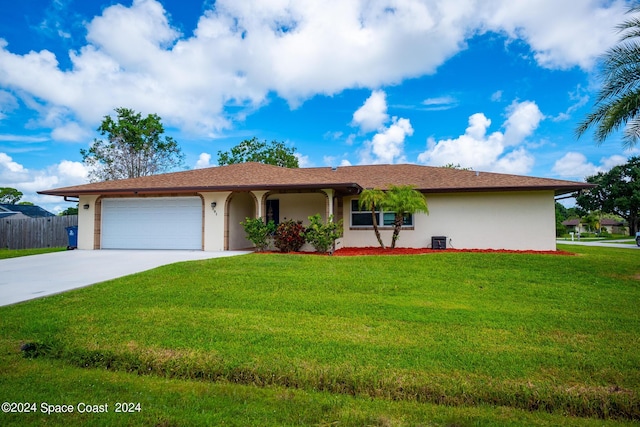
[(259, 195)]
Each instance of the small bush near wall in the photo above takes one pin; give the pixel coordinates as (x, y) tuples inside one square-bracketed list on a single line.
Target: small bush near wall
[(322, 236), (259, 233), (289, 236)]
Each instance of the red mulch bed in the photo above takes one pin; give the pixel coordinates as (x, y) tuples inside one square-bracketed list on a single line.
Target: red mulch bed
[(419, 251)]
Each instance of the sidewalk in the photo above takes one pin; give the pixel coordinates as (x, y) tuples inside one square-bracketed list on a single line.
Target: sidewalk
[(599, 243)]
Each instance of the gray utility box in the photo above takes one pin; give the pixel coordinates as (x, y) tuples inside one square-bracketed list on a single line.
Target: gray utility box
[(438, 242)]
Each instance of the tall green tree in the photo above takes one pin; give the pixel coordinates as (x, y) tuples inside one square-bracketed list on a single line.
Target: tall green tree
[(618, 103), (10, 195), (617, 192), (69, 211), (403, 200), (135, 146), (371, 200), (253, 150)]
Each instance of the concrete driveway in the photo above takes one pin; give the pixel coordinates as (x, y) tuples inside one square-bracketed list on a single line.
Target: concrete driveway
[(35, 276)]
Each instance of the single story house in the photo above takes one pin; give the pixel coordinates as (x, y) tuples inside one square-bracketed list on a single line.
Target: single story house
[(613, 226), (8, 211), (202, 209), (575, 225), (610, 225)]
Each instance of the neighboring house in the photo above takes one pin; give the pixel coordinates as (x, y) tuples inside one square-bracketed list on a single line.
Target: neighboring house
[(612, 226), (575, 226), (202, 209), (22, 211)]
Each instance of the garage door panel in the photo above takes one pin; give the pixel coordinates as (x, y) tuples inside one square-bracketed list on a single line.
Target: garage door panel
[(152, 223)]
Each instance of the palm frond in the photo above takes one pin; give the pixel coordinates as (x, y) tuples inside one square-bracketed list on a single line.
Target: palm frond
[(618, 102)]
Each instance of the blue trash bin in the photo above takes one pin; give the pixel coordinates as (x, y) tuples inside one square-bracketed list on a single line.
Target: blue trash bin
[(72, 234)]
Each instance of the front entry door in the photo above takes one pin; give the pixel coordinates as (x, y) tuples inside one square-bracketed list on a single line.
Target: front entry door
[(273, 211)]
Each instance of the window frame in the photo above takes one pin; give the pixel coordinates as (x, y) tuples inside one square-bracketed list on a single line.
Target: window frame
[(408, 223)]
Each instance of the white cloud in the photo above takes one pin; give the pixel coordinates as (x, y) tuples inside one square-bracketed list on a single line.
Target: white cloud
[(578, 98), (477, 150), (575, 165), (72, 171), (387, 146), (497, 96), (8, 166), (556, 31), (204, 161), (22, 138), (70, 132), (29, 181), (524, 118), (242, 51), (373, 113), (8, 103), (440, 103), (303, 161)]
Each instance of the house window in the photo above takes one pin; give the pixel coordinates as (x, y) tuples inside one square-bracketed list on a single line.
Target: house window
[(362, 218)]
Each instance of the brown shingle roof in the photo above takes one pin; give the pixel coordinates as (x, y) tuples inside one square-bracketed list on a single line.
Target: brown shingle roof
[(257, 176)]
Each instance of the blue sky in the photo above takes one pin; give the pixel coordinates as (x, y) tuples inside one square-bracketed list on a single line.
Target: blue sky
[(494, 85)]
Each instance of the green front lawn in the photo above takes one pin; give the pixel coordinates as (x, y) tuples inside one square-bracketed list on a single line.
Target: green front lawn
[(14, 253), (445, 338)]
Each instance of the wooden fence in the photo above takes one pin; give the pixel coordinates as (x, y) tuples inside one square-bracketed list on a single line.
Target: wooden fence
[(31, 233)]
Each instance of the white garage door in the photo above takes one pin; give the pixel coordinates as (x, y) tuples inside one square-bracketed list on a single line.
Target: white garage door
[(152, 223)]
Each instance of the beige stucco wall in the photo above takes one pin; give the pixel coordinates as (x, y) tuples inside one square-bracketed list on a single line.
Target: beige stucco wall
[(86, 222), (300, 206), (213, 220), (505, 220)]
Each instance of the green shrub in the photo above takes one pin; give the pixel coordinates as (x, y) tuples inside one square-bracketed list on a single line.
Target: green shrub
[(259, 233), (289, 236), (322, 236)]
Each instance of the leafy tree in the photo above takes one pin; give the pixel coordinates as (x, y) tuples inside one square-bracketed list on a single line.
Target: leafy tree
[(402, 200), (10, 195), (618, 103), (563, 214), (617, 192), (457, 166), (370, 200), (26, 204), (69, 211), (134, 147), (252, 150)]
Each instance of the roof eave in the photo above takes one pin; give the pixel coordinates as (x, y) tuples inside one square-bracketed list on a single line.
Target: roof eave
[(558, 190), (347, 187)]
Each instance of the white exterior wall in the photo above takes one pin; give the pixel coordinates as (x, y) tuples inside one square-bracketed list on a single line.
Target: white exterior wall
[(505, 220), (213, 220), (86, 222)]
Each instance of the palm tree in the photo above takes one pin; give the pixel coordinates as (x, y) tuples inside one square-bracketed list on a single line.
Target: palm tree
[(403, 200), (370, 200), (618, 103)]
